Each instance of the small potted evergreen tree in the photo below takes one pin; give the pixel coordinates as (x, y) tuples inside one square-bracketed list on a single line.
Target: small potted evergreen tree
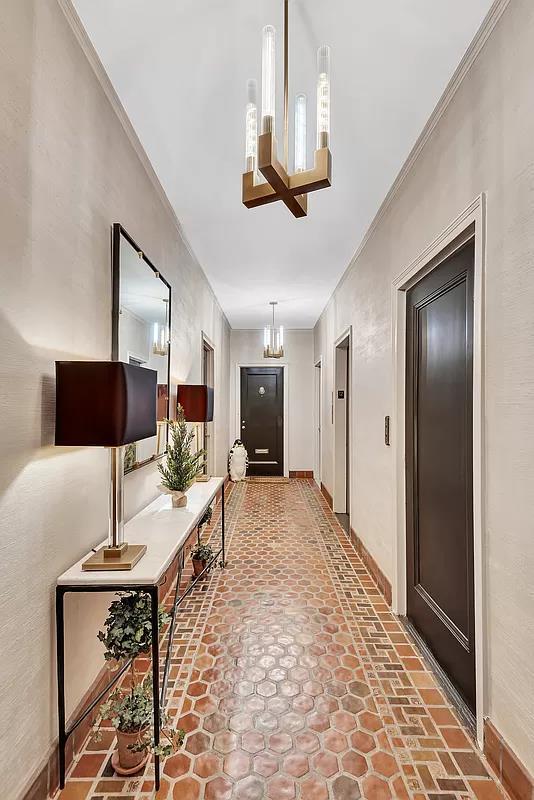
[(127, 635), (182, 465)]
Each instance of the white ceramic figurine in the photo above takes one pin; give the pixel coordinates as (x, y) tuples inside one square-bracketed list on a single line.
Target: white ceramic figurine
[(238, 461)]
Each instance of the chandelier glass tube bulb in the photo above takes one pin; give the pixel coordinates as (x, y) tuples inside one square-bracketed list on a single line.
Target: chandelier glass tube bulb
[(251, 127), (323, 97), (300, 132), (268, 79)]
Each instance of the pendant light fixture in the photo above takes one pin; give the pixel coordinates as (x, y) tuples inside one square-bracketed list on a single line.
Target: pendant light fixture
[(266, 179), (273, 338), (160, 336)]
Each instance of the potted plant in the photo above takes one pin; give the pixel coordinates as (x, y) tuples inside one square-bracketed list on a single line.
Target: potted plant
[(181, 465), (206, 518), (127, 635), (200, 556)]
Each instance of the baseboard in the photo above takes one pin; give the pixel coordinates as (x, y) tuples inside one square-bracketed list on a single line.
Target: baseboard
[(466, 715), (301, 473), (327, 496), (46, 783), (515, 777), (376, 573)]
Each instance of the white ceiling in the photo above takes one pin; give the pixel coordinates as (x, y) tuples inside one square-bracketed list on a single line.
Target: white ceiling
[(180, 68)]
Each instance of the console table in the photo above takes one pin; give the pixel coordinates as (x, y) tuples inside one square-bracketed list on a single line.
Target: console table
[(165, 531)]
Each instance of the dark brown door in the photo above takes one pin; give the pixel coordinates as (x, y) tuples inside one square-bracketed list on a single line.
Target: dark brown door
[(439, 466), (262, 419)]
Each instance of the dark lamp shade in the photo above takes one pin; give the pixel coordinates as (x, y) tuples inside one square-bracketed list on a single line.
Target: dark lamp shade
[(197, 402), (104, 403)]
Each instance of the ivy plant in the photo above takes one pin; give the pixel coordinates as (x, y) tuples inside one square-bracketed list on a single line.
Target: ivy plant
[(130, 711), (128, 628), (127, 634), (202, 552), (206, 517)]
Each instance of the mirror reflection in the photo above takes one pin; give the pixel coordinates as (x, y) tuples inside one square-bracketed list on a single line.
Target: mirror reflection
[(143, 336)]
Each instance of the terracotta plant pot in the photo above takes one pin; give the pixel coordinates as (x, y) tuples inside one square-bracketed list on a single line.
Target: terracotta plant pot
[(126, 761), (198, 566)]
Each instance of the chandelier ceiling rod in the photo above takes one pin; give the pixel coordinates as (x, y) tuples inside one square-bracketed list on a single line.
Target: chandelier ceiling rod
[(286, 84)]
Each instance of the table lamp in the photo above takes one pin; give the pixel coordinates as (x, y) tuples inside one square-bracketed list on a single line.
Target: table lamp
[(107, 404), (197, 403)]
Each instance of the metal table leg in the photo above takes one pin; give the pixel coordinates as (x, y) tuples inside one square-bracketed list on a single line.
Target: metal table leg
[(222, 527), (175, 605), (60, 651), (153, 592)]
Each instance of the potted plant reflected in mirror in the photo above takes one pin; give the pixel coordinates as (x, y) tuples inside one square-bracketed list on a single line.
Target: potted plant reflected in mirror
[(129, 708), (201, 555), (181, 465)]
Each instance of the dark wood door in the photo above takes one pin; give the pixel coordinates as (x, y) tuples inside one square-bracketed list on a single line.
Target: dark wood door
[(262, 419), (439, 466)]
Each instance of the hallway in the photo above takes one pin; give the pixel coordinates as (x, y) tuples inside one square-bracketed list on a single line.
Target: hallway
[(299, 682)]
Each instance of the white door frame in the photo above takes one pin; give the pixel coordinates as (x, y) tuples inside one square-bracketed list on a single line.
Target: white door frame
[(346, 334), (237, 426), (474, 215), (318, 421), (212, 455)]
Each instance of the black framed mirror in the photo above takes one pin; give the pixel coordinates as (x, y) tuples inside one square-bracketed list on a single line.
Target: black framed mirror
[(141, 333)]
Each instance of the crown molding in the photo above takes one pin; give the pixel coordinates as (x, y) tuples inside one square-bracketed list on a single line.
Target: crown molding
[(473, 51), (98, 68)]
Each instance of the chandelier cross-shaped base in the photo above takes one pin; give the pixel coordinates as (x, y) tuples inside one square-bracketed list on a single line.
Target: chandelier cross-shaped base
[(292, 190)]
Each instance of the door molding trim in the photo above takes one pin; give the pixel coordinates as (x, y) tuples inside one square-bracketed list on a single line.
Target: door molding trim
[(473, 216), (205, 340), (237, 422), (345, 334), (318, 422)]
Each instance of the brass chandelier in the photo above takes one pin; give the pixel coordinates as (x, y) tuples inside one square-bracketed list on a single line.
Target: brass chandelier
[(266, 179), (273, 338)]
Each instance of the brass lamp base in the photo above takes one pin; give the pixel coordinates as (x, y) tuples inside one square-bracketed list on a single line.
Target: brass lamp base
[(107, 559), (203, 478)]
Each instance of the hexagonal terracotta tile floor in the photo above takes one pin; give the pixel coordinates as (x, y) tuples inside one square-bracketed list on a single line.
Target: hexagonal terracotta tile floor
[(293, 680)]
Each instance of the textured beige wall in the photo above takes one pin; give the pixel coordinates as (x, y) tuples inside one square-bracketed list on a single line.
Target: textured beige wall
[(247, 348), (67, 172), (483, 143)]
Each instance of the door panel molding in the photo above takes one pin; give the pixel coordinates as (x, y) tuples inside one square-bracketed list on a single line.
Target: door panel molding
[(470, 223), (209, 427), (237, 395), (444, 618)]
